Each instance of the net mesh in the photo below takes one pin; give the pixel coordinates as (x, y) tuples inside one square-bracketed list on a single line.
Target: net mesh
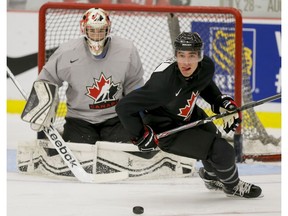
[(152, 34)]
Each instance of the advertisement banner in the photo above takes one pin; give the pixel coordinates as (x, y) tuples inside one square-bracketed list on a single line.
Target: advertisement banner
[(261, 59), (264, 40)]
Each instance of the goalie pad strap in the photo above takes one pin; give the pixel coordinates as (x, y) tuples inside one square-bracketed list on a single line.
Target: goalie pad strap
[(41, 104)]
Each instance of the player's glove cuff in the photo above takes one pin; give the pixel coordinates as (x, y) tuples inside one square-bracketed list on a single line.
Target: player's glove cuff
[(224, 101), (148, 141)]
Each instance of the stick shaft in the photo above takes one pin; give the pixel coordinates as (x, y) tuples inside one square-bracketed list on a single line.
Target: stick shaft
[(214, 117), (11, 75)]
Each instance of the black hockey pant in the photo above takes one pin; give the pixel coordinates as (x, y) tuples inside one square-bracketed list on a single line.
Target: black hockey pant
[(203, 142), (79, 131)]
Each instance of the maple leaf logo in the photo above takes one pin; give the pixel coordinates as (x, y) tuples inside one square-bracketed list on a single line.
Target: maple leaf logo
[(103, 91), (187, 110)]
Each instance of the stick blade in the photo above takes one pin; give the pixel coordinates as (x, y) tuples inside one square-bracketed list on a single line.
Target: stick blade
[(104, 178)]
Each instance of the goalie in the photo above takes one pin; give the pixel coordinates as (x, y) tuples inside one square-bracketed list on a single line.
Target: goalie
[(173, 103), (100, 70)]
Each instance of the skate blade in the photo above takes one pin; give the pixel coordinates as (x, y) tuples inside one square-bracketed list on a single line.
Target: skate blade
[(235, 196)]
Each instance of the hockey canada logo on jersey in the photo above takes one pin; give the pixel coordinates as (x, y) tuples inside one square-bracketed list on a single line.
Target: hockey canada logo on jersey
[(187, 110), (103, 93)]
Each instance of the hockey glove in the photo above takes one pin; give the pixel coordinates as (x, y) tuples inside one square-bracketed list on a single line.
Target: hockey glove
[(40, 109), (148, 142), (225, 103)]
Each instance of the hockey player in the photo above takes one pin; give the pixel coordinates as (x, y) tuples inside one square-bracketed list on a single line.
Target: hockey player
[(168, 100), (100, 69)]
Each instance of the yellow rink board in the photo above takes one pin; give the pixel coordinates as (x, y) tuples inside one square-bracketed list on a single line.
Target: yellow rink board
[(268, 119)]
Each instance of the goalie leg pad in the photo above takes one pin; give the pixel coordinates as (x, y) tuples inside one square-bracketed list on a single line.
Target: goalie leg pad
[(104, 158), (41, 106)]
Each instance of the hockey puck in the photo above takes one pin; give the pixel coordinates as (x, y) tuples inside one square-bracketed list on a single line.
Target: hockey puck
[(138, 210)]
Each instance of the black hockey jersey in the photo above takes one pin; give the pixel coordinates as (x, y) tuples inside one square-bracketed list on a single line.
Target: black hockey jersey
[(169, 98)]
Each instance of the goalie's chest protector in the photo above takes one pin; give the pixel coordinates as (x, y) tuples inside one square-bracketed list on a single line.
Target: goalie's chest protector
[(95, 85)]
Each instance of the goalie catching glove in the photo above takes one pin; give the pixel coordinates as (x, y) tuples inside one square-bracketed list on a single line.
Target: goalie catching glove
[(225, 103), (40, 109), (148, 142)]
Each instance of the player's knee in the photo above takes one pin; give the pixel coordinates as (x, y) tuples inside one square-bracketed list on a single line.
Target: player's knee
[(222, 153)]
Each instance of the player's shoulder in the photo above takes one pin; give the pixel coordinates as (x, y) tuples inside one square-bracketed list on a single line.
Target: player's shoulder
[(208, 62), (122, 42), (70, 46), (166, 65), (163, 72)]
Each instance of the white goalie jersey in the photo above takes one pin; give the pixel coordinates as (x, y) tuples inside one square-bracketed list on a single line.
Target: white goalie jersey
[(94, 85)]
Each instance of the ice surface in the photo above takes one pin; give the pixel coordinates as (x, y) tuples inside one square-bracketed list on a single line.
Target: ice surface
[(35, 195)]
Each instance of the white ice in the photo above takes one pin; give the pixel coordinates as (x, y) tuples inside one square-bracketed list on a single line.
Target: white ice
[(35, 195)]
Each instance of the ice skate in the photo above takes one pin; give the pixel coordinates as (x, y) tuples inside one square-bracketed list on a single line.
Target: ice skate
[(244, 189), (210, 183)]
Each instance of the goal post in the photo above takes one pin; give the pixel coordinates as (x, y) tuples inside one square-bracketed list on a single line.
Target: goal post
[(152, 29)]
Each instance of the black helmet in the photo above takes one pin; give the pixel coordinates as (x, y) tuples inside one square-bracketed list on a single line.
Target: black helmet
[(188, 41)]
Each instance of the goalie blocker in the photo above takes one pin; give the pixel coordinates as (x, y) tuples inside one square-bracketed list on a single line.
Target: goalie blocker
[(41, 106)]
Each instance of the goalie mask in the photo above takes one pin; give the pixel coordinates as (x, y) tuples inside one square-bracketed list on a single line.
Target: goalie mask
[(96, 25), (190, 41)]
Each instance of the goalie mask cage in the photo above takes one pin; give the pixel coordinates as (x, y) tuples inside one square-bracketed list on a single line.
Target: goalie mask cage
[(153, 30)]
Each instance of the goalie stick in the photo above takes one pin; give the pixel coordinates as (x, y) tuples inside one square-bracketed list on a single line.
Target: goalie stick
[(23, 63), (214, 117), (67, 155)]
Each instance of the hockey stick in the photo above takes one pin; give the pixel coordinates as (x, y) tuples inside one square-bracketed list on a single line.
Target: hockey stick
[(23, 63), (214, 117), (67, 155)]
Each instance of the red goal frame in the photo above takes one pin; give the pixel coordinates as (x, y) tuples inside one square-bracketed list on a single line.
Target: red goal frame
[(165, 9), (168, 9)]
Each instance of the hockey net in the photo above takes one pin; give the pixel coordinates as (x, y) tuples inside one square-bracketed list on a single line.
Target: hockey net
[(152, 29)]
